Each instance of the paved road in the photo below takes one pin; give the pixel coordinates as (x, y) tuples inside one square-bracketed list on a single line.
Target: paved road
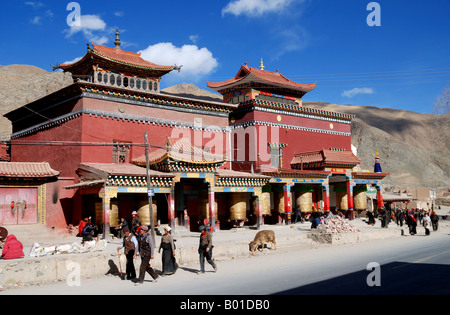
[(407, 265)]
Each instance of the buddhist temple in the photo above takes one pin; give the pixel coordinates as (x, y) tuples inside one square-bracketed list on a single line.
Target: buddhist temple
[(249, 160)]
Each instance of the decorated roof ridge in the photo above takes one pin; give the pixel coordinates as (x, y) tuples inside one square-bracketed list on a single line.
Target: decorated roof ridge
[(287, 171), (325, 156), (123, 169), (120, 56), (226, 173), (180, 150), (275, 78), (27, 169), (146, 95), (297, 108)]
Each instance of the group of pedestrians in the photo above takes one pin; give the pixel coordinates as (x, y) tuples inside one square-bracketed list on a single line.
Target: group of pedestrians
[(412, 218), (140, 243)]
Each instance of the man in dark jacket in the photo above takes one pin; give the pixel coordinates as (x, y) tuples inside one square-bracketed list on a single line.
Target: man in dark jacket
[(146, 250), (205, 248)]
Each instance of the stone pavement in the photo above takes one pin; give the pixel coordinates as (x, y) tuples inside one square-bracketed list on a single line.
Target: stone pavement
[(228, 244)]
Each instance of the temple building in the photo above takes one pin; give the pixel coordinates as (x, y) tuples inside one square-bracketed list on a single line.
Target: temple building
[(249, 160)]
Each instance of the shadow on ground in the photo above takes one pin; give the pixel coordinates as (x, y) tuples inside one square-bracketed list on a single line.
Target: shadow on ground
[(398, 278)]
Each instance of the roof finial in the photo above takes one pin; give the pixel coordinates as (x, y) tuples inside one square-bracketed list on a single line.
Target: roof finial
[(117, 41), (262, 65)]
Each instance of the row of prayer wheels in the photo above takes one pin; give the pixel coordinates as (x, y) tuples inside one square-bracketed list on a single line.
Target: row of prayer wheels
[(238, 206), (143, 213)]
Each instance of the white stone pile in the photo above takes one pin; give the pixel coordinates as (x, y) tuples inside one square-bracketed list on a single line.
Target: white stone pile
[(337, 224), (74, 248)]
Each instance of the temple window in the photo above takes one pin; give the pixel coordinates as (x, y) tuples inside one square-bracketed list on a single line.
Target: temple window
[(155, 86), (132, 83), (275, 157), (138, 84), (105, 78), (112, 79), (121, 152), (99, 77), (125, 82), (144, 84), (119, 80), (276, 154)]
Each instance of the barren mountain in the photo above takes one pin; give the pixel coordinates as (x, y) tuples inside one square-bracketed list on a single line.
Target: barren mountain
[(22, 84), (409, 143)]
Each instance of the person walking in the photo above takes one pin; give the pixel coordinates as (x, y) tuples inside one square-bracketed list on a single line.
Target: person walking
[(434, 220), (426, 223), (205, 249), (146, 250), (130, 245), (169, 264), (412, 224)]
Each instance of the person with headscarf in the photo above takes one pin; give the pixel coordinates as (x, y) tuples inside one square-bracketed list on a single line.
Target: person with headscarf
[(12, 249), (205, 248), (169, 264)]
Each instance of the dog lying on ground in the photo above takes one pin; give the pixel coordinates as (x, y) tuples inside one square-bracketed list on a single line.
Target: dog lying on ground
[(262, 237)]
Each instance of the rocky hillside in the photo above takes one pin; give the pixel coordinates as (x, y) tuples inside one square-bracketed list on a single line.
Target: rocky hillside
[(22, 84), (409, 143)]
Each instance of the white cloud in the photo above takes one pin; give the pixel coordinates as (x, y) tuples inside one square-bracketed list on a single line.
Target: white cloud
[(36, 20), (34, 5), (255, 7), (88, 25), (119, 13), (195, 61), (194, 38), (353, 92), (72, 61)]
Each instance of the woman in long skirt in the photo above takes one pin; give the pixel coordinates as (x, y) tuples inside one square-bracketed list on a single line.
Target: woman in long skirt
[(169, 264)]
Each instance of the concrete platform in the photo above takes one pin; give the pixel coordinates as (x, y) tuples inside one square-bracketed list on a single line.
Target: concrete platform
[(229, 244)]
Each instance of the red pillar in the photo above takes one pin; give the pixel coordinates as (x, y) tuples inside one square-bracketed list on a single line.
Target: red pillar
[(287, 203), (212, 210), (380, 203), (171, 210), (351, 213), (326, 198)]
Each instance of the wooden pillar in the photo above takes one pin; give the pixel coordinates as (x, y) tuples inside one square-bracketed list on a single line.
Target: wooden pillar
[(259, 215), (326, 197), (351, 213), (380, 203), (106, 196), (211, 207), (171, 208), (287, 203)]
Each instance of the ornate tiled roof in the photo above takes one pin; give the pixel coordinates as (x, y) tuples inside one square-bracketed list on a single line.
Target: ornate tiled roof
[(322, 158), (247, 74), (27, 169), (180, 150)]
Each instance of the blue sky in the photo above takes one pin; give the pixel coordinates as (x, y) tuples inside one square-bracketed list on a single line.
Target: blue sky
[(404, 63)]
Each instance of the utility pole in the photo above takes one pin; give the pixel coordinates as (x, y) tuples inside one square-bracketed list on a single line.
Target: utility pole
[(150, 192)]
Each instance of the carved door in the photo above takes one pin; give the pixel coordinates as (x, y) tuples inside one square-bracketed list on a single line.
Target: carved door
[(18, 206)]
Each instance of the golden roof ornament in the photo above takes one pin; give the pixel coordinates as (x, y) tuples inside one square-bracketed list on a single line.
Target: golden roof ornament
[(262, 65)]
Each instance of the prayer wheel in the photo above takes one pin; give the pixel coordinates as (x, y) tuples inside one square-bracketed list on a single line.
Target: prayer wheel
[(360, 200), (204, 208), (341, 200), (144, 213), (238, 209), (265, 204), (280, 202), (113, 213), (304, 201)]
